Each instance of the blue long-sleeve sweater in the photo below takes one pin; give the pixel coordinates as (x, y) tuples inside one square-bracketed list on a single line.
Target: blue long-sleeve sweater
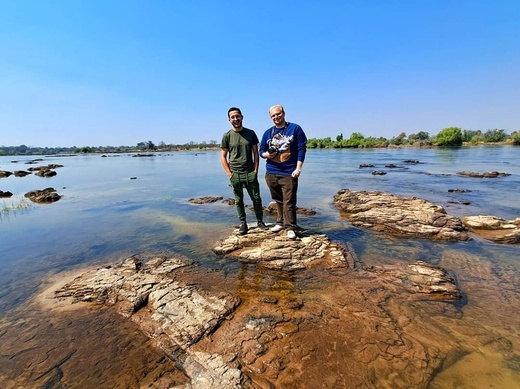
[(290, 143)]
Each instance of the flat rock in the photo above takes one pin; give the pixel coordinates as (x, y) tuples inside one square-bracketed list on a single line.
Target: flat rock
[(493, 174), (205, 200), (399, 216), (174, 314), (276, 251), (494, 228)]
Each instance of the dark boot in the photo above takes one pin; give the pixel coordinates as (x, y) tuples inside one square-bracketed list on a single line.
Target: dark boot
[(261, 225), (243, 228)]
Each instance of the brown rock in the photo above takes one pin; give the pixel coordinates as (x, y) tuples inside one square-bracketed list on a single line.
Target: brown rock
[(205, 200), (399, 216), (5, 173), (44, 196), (494, 228)]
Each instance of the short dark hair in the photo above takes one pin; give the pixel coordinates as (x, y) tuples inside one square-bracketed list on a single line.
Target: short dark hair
[(234, 109)]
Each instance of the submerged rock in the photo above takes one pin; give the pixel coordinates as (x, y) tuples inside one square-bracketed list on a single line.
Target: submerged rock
[(205, 200), (493, 174), (399, 216), (494, 228)]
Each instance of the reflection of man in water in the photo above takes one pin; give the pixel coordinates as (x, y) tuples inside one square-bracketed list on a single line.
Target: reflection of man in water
[(240, 144)]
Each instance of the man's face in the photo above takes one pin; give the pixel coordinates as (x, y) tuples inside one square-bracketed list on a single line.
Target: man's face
[(278, 116), (235, 119)]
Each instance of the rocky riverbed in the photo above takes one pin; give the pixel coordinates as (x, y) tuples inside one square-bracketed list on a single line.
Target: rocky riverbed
[(302, 313)]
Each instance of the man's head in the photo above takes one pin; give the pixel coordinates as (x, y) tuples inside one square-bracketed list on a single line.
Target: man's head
[(235, 117), (277, 114)]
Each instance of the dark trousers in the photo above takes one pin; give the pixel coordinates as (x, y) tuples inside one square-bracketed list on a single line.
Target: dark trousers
[(283, 191), (239, 181)]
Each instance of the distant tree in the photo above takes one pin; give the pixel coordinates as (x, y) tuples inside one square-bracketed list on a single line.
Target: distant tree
[(470, 135), (451, 136), (399, 139), (339, 138), (515, 136), (495, 135), (422, 135), (150, 145)]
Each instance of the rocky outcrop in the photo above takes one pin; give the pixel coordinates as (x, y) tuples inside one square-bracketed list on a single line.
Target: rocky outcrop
[(5, 173), (174, 314), (6, 194), (399, 216), (220, 343), (21, 173), (493, 174), (45, 171), (45, 196), (276, 251), (494, 228), (205, 200)]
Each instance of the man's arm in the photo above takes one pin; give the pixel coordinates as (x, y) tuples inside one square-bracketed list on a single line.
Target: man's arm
[(224, 162), (256, 159)]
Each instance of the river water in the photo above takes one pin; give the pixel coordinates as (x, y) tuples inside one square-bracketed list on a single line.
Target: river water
[(119, 205)]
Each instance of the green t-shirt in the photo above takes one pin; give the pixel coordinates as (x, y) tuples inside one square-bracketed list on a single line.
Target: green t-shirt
[(239, 146)]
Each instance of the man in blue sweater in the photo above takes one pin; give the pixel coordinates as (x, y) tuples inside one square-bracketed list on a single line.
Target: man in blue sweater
[(284, 146)]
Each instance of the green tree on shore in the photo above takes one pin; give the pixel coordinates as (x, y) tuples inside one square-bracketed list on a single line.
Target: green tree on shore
[(451, 136)]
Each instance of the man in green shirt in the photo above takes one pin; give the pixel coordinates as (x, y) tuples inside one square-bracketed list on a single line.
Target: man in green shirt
[(239, 158)]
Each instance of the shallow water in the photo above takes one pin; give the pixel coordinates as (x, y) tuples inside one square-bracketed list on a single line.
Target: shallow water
[(105, 216)]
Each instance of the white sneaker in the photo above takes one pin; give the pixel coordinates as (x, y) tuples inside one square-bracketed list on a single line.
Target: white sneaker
[(277, 228), (291, 234)]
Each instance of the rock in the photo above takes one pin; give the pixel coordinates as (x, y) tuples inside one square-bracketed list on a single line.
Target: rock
[(459, 190), (378, 173), (411, 161), (45, 173), (21, 173), (5, 194), (399, 216), (205, 200), (174, 314), (391, 166), (492, 174), (5, 173), (276, 251), (494, 228), (421, 277), (362, 165), (44, 196)]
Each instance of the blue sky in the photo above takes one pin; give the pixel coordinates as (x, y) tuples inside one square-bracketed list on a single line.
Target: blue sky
[(99, 73)]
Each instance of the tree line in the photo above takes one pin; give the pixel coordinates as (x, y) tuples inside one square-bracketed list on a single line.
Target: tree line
[(451, 136), (146, 146)]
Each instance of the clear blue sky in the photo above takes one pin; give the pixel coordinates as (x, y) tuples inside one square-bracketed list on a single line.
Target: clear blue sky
[(99, 73)]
